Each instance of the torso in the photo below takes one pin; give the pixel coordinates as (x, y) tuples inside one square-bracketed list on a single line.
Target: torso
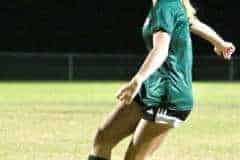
[(173, 79)]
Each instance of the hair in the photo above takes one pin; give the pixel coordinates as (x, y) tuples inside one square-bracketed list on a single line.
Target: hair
[(190, 10)]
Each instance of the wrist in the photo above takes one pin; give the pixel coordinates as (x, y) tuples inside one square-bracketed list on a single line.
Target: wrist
[(138, 79), (219, 44)]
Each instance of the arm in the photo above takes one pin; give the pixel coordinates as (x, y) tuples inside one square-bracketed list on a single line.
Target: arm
[(221, 47), (156, 56), (153, 61), (206, 32)]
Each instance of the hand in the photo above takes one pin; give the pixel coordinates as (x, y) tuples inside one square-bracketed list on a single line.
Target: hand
[(127, 93), (226, 50)]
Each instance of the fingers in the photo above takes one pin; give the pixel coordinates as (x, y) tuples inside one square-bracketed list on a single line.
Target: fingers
[(120, 92), (126, 99), (123, 94), (126, 95), (228, 51)]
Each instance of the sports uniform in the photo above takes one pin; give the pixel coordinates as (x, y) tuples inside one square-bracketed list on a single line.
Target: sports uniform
[(168, 91)]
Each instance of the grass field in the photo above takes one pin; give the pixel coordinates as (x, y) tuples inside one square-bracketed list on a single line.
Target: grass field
[(56, 121)]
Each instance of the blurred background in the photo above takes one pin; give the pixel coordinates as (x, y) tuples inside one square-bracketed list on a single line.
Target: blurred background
[(99, 40), (68, 40)]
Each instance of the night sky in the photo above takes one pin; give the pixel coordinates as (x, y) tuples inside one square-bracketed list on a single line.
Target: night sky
[(96, 26)]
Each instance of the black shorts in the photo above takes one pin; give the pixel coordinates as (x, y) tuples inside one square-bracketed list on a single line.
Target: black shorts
[(164, 115)]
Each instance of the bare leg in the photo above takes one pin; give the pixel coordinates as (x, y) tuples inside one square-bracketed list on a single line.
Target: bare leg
[(118, 125), (146, 139)]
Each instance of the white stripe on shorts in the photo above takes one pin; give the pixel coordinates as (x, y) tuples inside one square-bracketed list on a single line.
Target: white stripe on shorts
[(162, 117)]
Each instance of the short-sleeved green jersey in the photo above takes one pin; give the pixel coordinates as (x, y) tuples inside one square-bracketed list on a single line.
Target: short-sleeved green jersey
[(171, 85)]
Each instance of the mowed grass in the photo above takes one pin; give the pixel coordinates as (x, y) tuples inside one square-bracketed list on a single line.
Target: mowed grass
[(57, 121)]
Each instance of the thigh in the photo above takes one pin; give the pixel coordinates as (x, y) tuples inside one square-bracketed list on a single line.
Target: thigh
[(146, 139), (121, 122)]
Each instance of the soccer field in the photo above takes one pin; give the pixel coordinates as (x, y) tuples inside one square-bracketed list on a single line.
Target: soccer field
[(57, 120)]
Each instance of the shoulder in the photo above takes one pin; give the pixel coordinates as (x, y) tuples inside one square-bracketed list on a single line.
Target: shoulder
[(163, 10), (171, 10), (167, 15)]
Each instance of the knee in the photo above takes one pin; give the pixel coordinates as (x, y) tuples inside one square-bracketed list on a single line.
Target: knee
[(136, 156), (102, 139), (136, 153)]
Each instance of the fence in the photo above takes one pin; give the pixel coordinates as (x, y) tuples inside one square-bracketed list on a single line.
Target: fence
[(24, 66)]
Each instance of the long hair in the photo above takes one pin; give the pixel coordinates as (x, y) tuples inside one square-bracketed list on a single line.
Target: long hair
[(190, 10)]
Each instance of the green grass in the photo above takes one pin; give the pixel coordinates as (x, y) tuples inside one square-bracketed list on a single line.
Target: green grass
[(56, 121)]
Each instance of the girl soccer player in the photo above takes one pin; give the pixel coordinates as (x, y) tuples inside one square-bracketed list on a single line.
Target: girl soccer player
[(159, 96)]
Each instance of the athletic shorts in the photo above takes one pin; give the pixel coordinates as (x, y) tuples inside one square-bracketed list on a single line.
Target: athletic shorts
[(163, 115)]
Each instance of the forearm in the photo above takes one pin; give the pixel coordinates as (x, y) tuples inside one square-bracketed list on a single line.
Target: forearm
[(152, 62), (206, 32)]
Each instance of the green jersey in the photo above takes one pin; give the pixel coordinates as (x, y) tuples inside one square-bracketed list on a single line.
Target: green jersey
[(171, 85)]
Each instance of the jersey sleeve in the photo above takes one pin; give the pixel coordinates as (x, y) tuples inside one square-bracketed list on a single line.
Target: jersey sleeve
[(162, 20)]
